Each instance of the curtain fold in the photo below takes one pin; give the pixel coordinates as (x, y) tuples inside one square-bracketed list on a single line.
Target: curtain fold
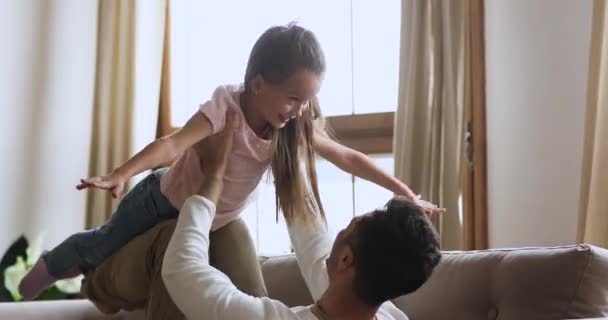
[(593, 205), (428, 140), (127, 90), (474, 164)]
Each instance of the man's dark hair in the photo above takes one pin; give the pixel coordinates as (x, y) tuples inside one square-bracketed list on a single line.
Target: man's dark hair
[(396, 249)]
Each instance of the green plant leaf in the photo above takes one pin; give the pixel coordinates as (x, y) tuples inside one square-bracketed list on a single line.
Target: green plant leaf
[(17, 249), (51, 293), (70, 286), (12, 277)]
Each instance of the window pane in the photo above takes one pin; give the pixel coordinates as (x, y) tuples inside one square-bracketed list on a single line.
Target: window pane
[(273, 237), (331, 23), (335, 187), (336, 190), (181, 109), (376, 43), (369, 196), (211, 42)]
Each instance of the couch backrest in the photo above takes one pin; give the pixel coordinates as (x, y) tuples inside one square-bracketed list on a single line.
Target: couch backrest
[(506, 284), (284, 280)]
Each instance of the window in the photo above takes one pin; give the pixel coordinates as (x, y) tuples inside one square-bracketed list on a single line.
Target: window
[(211, 41), (210, 44), (341, 198)]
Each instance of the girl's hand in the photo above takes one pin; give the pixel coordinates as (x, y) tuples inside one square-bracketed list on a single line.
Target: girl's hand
[(114, 183), (429, 208)]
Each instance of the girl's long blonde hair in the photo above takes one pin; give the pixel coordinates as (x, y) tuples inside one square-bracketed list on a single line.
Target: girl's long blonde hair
[(278, 54), (293, 165)]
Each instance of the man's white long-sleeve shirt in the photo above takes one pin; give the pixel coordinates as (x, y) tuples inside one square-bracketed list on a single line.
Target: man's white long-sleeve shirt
[(203, 292)]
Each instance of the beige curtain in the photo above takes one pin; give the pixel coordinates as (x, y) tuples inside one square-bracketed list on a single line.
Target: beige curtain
[(474, 168), (129, 57), (429, 120), (593, 208)]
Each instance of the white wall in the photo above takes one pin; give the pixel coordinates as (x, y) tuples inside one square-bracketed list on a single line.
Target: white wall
[(537, 54), (46, 94)]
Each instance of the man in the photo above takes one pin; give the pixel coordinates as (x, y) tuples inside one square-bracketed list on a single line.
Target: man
[(379, 256)]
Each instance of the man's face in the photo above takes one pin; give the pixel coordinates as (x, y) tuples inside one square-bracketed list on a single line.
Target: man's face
[(341, 246)]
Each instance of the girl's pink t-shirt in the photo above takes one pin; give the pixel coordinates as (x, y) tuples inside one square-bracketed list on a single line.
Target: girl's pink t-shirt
[(247, 163)]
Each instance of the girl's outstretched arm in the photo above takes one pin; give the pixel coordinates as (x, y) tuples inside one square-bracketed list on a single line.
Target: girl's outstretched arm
[(155, 154), (360, 165)]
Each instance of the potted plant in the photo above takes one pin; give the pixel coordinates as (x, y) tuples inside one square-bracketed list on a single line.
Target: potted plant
[(17, 261)]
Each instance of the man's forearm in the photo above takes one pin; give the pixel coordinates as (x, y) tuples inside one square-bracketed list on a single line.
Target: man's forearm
[(312, 245), (199, 290)]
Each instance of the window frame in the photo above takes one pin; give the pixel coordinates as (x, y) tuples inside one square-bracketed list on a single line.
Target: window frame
[(369, 133)]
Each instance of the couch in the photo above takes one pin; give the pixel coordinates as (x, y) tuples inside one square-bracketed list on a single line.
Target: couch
[(566, 282)]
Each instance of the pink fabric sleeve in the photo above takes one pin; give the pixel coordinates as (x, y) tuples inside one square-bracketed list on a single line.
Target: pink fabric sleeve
[(215, 109)]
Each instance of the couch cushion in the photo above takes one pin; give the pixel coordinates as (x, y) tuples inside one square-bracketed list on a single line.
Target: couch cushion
[(284, 280), (60, 310), (525, 283)]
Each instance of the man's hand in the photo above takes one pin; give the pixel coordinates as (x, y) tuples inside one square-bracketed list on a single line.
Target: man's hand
[(216, 148), (214, 157)]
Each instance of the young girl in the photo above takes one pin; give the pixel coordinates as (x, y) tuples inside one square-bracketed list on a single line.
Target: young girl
[(278, 124)]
